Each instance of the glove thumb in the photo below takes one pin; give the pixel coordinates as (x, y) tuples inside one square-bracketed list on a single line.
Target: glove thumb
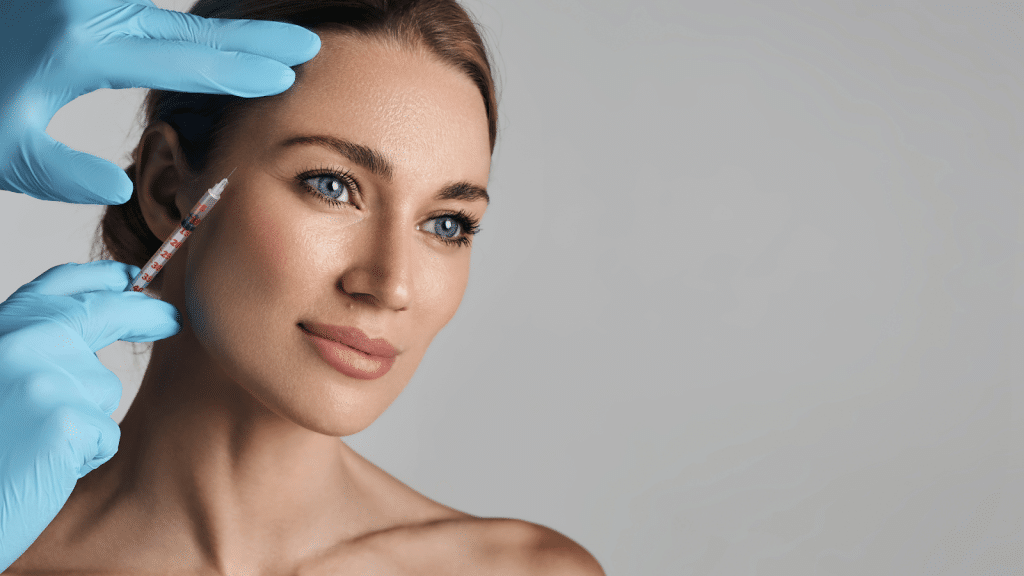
[(50, 170)]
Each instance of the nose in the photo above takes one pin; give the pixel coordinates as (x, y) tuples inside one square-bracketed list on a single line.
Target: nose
[(380, 272)]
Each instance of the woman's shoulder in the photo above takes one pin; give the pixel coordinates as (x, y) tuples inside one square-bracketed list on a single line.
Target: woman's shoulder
[(459, 546), (456, 546), (512, 546), (451, 541)]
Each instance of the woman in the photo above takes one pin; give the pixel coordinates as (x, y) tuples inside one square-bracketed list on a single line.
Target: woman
[(308, 295)]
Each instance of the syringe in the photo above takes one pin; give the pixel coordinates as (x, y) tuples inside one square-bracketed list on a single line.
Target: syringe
[(159, 260)]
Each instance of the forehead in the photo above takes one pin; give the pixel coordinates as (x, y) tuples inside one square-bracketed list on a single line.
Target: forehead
[(425, 116)]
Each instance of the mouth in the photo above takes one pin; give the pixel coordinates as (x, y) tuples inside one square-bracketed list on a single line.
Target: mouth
[(352, 337), (349, 351)]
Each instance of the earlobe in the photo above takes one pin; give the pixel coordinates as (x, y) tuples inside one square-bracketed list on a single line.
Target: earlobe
[(160, 176)]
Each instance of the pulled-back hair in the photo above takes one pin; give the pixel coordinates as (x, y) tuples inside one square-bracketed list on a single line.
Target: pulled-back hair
[(201, 120)]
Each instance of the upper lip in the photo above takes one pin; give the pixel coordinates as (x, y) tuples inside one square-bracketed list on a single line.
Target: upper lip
[(353, 338)]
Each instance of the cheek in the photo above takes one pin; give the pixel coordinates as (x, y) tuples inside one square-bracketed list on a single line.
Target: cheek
[(444, 279), (235, 277), (267, 247)]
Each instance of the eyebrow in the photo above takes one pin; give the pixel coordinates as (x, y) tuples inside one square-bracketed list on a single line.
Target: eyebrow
[(377, 163)]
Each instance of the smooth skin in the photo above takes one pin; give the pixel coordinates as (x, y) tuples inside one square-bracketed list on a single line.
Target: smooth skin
[(229, 461)]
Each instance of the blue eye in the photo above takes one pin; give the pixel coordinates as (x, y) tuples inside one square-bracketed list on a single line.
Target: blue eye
[(445, 226), (330, 187), (456, 228), (335, 188)]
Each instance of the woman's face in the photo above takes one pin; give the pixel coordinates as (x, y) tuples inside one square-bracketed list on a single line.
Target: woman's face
[(348, 208)]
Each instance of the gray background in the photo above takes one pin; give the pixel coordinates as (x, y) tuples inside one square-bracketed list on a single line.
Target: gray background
[(747, 299)]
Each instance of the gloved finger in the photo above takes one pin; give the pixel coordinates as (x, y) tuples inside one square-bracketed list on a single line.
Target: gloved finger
[(77, 439), (129, 316), (99, 385), (287, 43), (73, 278), (50, 170), (60, 376), (68, 430), (132, 62), (106, 444)]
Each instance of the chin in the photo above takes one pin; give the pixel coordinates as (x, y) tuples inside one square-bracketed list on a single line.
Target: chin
[(332, 405)]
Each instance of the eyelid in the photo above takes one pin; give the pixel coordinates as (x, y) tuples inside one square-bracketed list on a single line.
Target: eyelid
[(469, 226), (344, 175)]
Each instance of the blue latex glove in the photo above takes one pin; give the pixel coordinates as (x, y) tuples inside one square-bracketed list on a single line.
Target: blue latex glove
[(56, 397), (53, 51)]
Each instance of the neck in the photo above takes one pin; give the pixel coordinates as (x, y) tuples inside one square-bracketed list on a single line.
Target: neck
[(218, 479)]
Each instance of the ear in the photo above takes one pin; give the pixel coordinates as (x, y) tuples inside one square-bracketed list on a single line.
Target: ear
[(162, 179)]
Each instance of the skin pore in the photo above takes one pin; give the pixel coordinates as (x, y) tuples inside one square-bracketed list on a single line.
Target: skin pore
[(229, 459)]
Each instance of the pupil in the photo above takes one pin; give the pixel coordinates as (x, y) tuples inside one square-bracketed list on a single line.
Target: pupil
[(334, 187)]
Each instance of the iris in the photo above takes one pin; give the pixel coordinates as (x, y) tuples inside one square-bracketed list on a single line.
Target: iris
[(334, 188), (446, 227)]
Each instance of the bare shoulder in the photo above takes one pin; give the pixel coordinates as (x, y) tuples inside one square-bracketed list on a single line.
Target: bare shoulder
[(515, 547), (462, 546), (544, 551), (427, 537)]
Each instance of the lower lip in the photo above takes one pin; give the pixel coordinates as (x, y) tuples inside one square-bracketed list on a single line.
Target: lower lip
[(349, 361)]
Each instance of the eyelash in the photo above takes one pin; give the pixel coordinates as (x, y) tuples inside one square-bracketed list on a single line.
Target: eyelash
[(468, 225)]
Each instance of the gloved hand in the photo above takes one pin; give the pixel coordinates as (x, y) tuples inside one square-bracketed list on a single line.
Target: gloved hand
[(56, 397), (53, 51)]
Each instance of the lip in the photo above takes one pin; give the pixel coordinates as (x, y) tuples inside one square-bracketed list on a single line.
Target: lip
[(348, 350), (353, 338)]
